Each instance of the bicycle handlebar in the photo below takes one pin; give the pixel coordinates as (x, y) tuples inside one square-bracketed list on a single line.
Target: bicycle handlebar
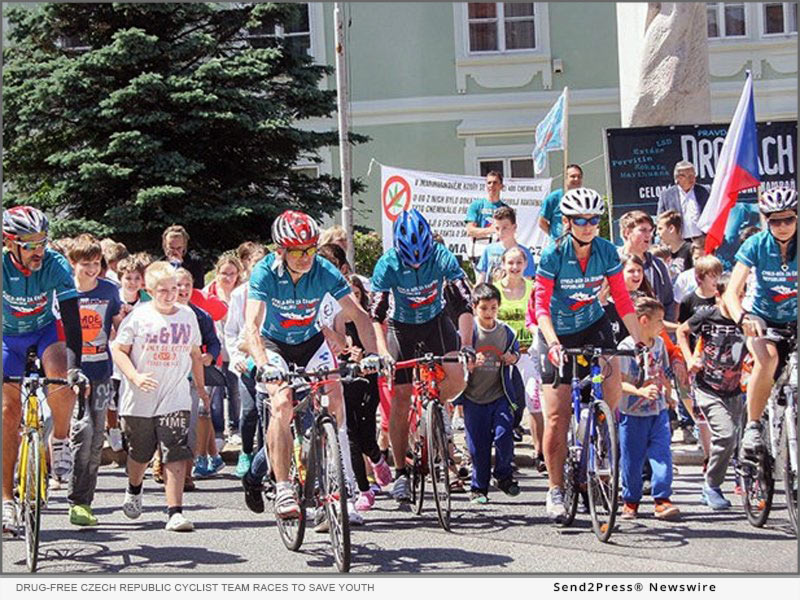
[(595, 352), (429, 359)]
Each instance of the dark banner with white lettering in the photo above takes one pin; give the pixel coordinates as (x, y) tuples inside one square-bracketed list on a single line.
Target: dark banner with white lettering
[(641, 161)]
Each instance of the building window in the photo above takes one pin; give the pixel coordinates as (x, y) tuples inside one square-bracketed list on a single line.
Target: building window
[(296, 34), (726, 20), (501, 27), (516, 168), (307, 171), (779, 17)]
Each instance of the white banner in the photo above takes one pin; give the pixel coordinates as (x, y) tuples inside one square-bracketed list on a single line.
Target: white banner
[(444, 200)]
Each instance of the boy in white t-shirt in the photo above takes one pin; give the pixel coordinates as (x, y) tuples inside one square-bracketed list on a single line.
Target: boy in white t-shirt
[(156, 347)]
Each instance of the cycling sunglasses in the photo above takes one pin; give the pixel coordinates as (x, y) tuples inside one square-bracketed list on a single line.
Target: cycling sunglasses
[(298, 253), (582, 221), (29, 246), (782, 221)]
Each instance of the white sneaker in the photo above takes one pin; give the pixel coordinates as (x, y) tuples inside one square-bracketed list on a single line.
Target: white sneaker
[(355, 517), (458, 423), (61, 459), (235, 439), (554, 505), (114, 436), (320, 520), (10, 525), (178, 522), (132, 506)]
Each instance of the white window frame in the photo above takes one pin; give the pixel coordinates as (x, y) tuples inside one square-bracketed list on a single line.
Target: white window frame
[(507, 69), (721, 22), (500, 18), (506, 160), (474, 155), (762, 21)]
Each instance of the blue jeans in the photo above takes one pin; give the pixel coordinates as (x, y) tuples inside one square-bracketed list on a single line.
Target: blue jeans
[(485, 424), (250, 415), (218, 394), (640, 439)]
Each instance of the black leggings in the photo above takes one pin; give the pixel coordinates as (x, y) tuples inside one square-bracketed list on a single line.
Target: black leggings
[(361, 402)]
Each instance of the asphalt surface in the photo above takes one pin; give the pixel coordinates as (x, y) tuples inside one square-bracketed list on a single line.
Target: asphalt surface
[(508, 535)]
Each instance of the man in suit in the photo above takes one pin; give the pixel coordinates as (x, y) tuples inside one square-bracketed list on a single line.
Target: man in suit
[(686, 197)]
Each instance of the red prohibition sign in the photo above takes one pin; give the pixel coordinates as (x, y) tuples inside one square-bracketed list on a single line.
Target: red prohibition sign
[(396, 199)]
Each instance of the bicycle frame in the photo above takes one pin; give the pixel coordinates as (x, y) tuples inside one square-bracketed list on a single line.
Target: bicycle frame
[(595, 378)]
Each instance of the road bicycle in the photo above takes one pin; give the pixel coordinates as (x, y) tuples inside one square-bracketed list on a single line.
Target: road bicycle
[(779, 422), (592, 461), (31, 482), (316, 470), (429, 443)]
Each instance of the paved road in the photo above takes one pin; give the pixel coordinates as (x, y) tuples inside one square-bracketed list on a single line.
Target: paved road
[(507, 535)]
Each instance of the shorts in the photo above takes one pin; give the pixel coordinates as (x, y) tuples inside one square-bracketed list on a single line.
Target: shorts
[(598, 334), (169, 432), (312, 354), (406, 341), (785, 344), (15, 348)]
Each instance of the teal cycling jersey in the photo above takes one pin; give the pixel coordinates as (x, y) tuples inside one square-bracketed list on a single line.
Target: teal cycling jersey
[(574, 305), (481, 212), (418, 294), (775, 297), (28, 300), (292, 308)]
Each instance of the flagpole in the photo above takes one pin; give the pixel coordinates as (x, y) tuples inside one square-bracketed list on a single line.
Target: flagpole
[(566, 135)]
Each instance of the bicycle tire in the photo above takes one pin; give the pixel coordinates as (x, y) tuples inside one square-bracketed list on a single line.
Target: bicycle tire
[(570, 476), (603, 472), (438, 463), (790, 478), (758, 489), (32, 483), (334, 494), (418, 472), (292, 531)]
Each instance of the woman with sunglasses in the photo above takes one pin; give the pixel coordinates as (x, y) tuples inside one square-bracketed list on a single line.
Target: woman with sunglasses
[(571, 272), (773, 256)]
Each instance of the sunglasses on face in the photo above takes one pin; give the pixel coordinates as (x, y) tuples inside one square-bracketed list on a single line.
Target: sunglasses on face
[(782, 221), (298, 253), (582, 221), (28, 246)]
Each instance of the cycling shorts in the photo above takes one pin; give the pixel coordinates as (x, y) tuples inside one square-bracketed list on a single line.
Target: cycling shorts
[(15, 347), (600, 333), (785, 343), (312, 354), (406, 341)]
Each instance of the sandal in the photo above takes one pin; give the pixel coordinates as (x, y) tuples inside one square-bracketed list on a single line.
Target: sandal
[(457, 486)]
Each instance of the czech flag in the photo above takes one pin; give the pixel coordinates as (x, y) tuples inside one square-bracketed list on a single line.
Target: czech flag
[(737, 169)]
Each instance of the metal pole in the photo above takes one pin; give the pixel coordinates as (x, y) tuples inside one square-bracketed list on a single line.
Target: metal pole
[(342, 104)]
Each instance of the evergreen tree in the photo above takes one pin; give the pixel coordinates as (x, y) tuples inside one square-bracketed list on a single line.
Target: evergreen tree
[(161, 114)]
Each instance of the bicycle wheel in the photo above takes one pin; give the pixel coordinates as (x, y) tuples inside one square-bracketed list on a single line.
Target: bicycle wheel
[(32, 490), (334, 494), (438, 466), (758, 489), (292, 531), (571, 475), (790, 474), (603, 472), (418, 471)]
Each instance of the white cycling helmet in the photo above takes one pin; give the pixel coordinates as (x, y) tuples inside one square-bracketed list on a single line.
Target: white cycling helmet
[(24, 220), (778, 200), (582, 201)]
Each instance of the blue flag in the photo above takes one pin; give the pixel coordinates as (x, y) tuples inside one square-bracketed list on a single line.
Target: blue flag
[(549, 134)]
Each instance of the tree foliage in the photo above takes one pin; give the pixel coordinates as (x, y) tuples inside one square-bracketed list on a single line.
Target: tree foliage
[(168, 115)]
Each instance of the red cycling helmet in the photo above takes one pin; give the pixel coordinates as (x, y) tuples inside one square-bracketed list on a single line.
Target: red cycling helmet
[(294, 228)]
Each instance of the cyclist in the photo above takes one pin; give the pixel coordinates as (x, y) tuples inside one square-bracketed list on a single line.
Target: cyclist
[(413, 274), (570, 274), (773, 255), (33, 278), (285, 294)]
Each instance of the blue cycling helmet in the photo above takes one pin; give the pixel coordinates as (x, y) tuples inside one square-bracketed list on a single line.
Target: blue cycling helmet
[(413, 239)]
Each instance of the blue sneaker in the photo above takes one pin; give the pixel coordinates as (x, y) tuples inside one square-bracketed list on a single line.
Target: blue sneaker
[(243, 466), (215, 464), (201, 470), (714, 499)]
